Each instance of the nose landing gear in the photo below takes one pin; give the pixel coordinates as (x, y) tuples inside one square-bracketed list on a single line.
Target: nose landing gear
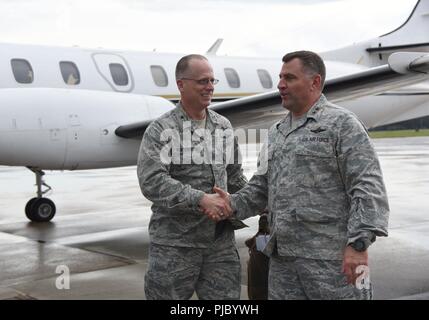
[(40, 209)]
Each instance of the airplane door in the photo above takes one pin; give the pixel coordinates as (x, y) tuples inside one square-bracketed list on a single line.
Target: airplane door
[(115, 70)]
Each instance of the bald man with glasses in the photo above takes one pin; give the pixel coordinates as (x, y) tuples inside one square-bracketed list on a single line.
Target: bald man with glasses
[(183, 155)]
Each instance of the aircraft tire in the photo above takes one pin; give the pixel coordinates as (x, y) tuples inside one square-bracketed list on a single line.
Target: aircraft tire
[(28, 207), (40, 210)]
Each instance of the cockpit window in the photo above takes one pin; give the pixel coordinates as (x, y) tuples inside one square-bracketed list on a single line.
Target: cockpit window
[(22, 71), (70, 72), (119, 74), (265, 79), (159, 76)]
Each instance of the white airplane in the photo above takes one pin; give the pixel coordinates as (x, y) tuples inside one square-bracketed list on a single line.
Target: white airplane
[(75, 109)]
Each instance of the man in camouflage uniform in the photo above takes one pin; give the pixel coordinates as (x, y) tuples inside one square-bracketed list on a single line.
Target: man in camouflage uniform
[(190, 251), (321, 179)]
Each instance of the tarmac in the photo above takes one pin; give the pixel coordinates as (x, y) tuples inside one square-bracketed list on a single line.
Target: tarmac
[(99, 235)]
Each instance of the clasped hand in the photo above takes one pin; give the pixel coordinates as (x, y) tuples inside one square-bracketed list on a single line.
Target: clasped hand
[(351, 261), (216, 206)]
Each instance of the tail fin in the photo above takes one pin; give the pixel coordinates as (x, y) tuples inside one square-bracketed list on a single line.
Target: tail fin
[(413, 35)]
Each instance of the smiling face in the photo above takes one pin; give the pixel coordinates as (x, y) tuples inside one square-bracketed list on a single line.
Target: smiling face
[(298, 89), (195, 95)]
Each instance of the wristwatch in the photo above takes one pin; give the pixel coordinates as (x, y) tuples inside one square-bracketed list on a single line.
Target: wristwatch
[(361, 244)]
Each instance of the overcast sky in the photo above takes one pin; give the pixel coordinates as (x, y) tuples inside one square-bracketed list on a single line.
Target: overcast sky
[(248, 27)]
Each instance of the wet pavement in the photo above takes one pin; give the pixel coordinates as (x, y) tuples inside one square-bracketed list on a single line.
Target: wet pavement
[(100, 231)]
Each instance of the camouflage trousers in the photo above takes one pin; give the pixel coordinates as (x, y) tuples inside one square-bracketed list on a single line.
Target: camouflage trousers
[(292, 278), (175, 273)]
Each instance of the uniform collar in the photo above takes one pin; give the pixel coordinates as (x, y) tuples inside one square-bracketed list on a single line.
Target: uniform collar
[(314, 113), (212, 118), (317, 108)]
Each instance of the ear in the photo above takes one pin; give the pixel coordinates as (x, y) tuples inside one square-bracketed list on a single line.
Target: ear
[(180, 85), (317, 82)]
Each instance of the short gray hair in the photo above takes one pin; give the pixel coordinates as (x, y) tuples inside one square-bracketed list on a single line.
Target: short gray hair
[(183, 65)]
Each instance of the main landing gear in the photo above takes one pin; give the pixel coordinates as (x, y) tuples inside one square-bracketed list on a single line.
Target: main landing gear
[(40, 209)]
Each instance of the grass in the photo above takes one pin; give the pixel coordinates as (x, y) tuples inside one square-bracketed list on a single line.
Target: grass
[(399, 133)]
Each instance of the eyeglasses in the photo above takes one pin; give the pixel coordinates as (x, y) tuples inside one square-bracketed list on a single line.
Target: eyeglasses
[(204, 81)]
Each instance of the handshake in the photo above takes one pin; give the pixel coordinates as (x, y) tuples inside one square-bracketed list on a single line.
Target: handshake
[(216, 206)]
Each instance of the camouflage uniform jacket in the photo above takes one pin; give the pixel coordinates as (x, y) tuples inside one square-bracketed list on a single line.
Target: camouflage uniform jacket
[(322, 183), (176, 188)]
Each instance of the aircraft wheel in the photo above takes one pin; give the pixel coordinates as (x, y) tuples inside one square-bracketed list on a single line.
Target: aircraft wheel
[(41, 210), (28, 207)]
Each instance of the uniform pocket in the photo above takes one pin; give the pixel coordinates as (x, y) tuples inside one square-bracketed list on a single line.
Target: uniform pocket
[(317, 215), (316, 169)]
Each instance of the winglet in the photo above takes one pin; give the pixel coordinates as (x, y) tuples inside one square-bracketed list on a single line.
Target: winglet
[(215, 47)]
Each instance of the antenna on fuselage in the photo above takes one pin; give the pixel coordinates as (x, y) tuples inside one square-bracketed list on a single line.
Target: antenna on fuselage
[(215, 47)]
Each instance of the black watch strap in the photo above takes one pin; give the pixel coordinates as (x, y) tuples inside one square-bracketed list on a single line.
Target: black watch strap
[(361, 244)]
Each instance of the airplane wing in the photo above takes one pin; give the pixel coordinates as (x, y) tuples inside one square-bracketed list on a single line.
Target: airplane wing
[(262, 110), (133, 130)]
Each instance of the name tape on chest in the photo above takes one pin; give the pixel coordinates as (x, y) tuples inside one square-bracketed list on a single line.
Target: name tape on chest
[(315, 139)]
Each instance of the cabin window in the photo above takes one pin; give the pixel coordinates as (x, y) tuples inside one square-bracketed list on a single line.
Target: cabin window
[(265, 79), (70, 72), (119, 74), (232, 78), (159, 76), (22, 71)]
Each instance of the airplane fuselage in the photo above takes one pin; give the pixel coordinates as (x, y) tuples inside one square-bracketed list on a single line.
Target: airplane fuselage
[(60, 106), (74, 129), (149, 73)]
